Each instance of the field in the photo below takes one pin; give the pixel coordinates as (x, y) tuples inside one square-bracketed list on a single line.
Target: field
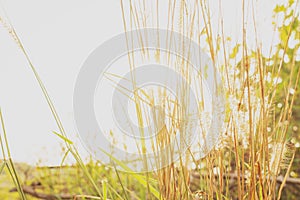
[(69, 182)]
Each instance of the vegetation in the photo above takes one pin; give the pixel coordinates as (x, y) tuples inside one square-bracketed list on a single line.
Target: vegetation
[(258, 153)]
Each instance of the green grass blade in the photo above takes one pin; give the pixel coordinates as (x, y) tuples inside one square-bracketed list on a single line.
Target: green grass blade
[(104, 189), (120, 181), (138, 177), (64, 158), (10, 164), (2, 167), (63, 137)]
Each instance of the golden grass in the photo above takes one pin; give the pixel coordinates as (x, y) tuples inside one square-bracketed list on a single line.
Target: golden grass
[(253, 145)]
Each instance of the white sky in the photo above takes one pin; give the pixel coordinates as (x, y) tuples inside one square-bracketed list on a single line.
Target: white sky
[(58, 36)]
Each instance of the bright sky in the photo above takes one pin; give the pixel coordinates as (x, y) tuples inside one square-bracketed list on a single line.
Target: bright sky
[(58, 36)]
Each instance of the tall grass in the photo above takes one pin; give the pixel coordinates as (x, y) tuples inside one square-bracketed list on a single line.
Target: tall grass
[(247, 148), (253, 149)]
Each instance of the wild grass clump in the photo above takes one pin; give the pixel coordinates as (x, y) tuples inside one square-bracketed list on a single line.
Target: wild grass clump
[(253, 149)]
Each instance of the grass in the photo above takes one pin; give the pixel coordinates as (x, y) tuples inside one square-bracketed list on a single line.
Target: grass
[(7, 162), (253, 151)]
